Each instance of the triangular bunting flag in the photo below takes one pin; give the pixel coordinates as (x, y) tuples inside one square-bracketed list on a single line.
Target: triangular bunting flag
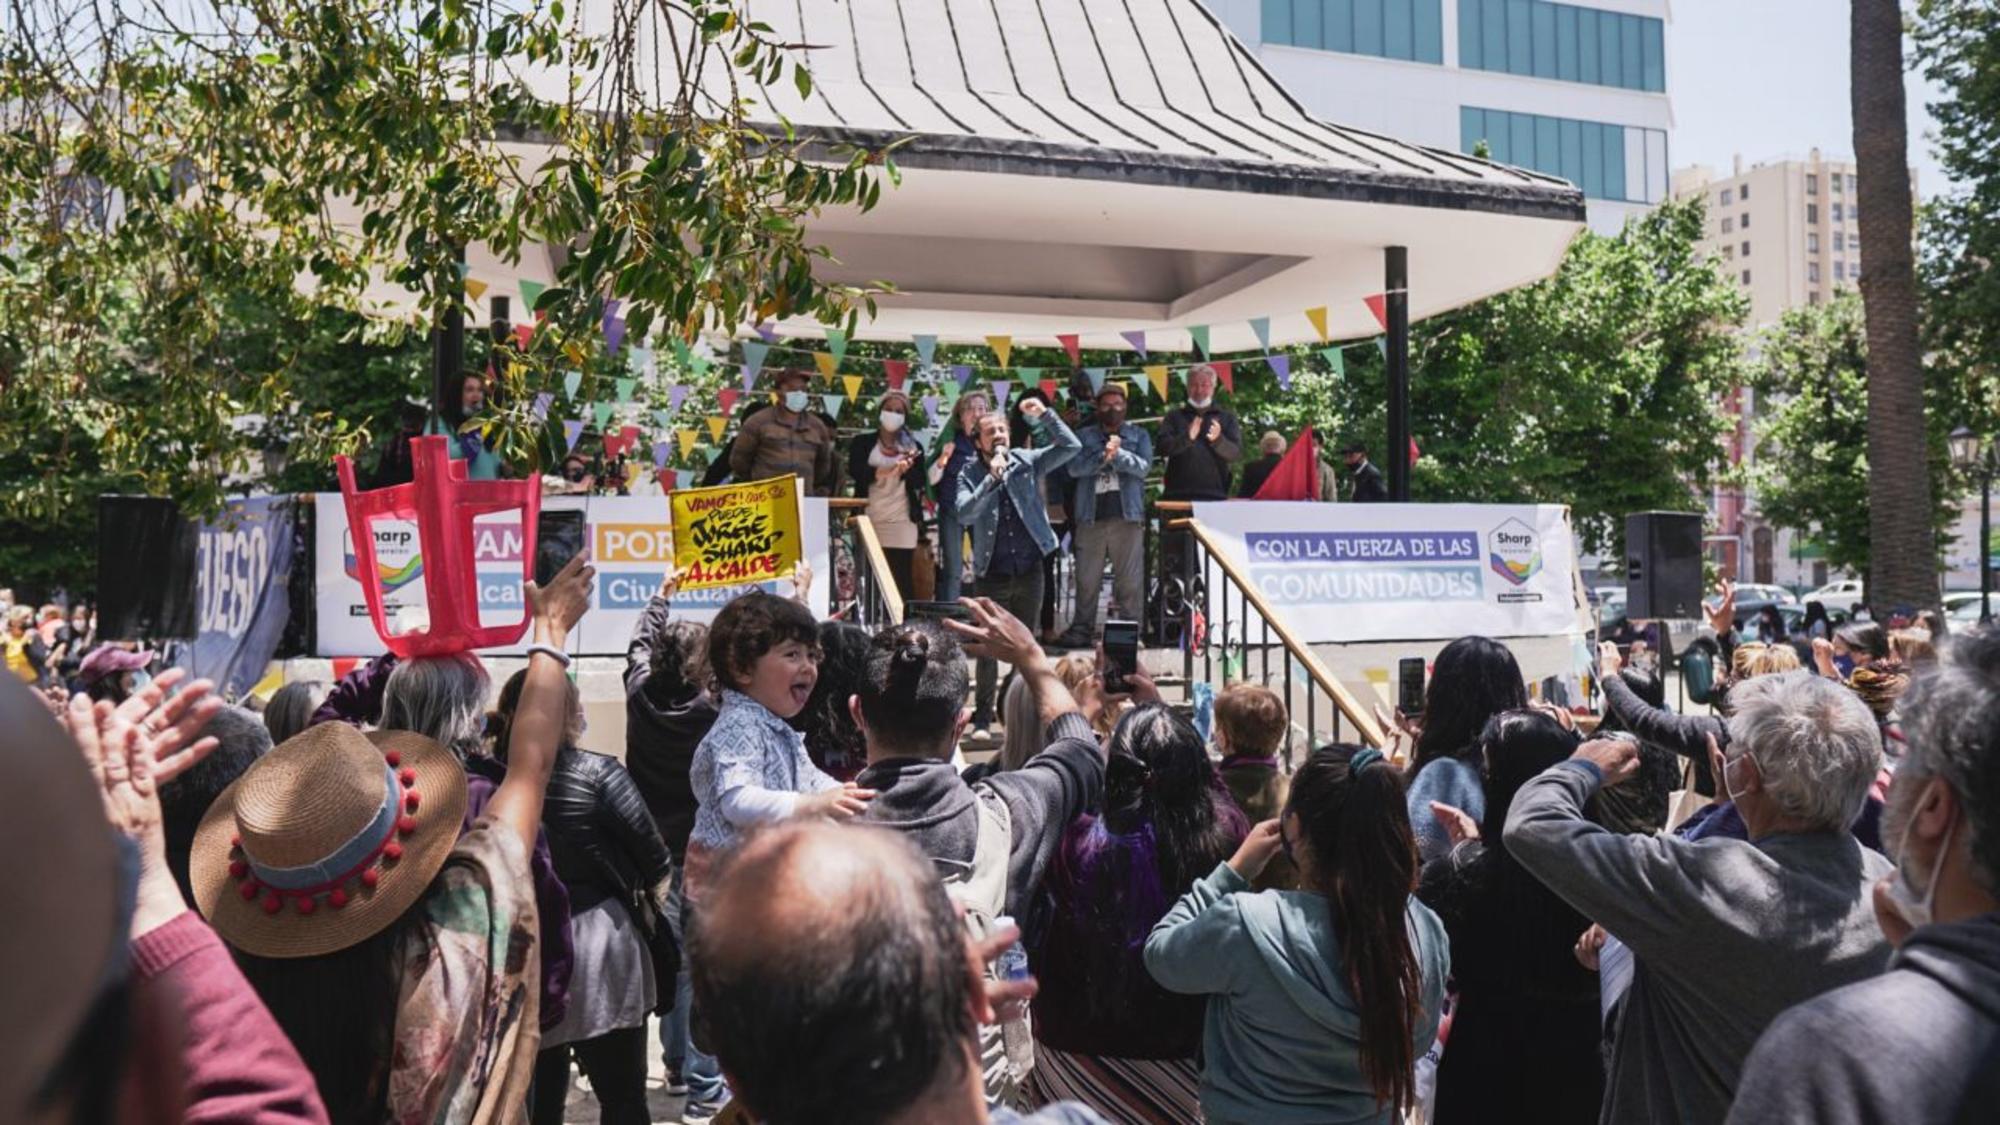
[(531, 291), (826, 363), (572, 430), (475, 288), (614, 445), (1096, 376), (524, 336), (614, 334), (926, 348), (1261, 325), (571, 381), (728, 396), (1414, 451), (753, 360), (1336, 361), (1030, 376), (1282, 364), (1071, 343), (699, 362), (602, 411), (1157, 375), (664, 418), (641, 360), (679, 347), (931, 406), (687, 440), (1317, 317), (1382, 345), (625, 388), (950, 391), (1199, 332), (683, 478), (540, 411), (853, 385), (833, 403), (897, 370), (836, 342), (1379, 305), (1001, 390), (1137, 338), (962, 375), (676, 395), (1225, 370), (767, 332), (1048, 389), (716, 424), (1003, 346), (749, 380), (660, 452)]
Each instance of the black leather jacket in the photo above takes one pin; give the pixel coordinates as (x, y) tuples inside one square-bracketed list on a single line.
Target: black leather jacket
[(600, 834)]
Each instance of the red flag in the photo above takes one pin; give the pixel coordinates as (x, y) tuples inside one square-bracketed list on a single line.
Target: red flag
[(1414, 451), (1379, 305), (1049, 389), (1296, 476), (728, 396), (897, 370), (1225, 371), (1069, 343), (523, 335)]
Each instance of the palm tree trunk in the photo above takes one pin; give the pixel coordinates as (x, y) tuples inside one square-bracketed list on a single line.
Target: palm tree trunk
[(1902, 550)]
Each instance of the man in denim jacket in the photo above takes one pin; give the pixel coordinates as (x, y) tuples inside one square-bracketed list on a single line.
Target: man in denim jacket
[(1109, 513), (1000, 496)]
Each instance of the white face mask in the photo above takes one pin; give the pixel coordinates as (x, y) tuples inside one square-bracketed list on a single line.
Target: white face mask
[(1917, 907), (795, 401), (1201, 403), (1728, 768), (892, 421)]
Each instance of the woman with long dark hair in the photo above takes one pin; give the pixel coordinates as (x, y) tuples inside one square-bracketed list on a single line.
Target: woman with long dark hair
[(1472, 680), (1319, 999), (1106, 1034), (1524, 1036)]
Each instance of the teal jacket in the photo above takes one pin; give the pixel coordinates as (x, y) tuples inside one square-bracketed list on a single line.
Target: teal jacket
[(1281, 1040)]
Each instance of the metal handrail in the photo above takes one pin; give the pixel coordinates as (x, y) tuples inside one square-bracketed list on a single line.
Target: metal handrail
[(873, 576), (1251, 602)]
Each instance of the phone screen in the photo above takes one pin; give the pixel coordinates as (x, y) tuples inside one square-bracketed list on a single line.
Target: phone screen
[(1121, 654), (558, 539), (937, 610), (1410, 685)]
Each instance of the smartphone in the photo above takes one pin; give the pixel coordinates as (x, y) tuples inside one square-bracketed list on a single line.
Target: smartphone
[(1410, 685), (935, 611), (1121, 655), (558, 539)]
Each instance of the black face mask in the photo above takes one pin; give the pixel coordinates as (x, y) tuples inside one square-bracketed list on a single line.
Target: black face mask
[(1112, 417)]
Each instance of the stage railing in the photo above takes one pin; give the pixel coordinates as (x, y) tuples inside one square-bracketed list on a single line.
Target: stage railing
[(877, 602), (1231, 610)]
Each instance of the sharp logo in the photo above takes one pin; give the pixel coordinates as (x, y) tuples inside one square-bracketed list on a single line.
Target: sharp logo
[(397, 559), (1514, 551)]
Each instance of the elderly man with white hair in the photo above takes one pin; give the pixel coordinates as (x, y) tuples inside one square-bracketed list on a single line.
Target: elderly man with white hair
[(1726, 933)]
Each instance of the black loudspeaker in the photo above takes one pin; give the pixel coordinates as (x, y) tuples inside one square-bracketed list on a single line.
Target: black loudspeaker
[(1663, 565), (145, 570)]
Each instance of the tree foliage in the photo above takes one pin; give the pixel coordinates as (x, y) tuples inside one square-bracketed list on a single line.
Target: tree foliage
[(1598, 387), (167, 163)]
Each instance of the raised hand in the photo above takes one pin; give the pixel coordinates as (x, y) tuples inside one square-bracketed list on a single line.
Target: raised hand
[(998, 1000), (1722, 617), (1616, 758), (558, 606), (1254, 854), (996, 634), (1609, 663)]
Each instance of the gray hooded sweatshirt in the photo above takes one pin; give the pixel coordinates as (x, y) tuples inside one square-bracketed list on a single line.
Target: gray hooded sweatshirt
[(1282, 1037), (1919, 1043)]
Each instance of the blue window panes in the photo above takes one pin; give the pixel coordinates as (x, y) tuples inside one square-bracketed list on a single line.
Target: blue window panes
[(1548, 145), (1566, 61), (1545, 40), (1520, 40), (1631, 56), (1493, 35), (1498, 137), (1398, 30), (1521, 139), (1570, 141), (1368, 27), (1338, 23), (1608, 57), (1656, 56), (1469, 12), (1306, 24), (1614, 161), (1588, 63), (1427, 30), (1277, 24), (1471, 128), (1593, 161)]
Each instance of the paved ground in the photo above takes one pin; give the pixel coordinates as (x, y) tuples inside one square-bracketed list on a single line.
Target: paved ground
[(665, 1107)]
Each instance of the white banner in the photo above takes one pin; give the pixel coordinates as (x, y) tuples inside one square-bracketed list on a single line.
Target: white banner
[(1404, 572), (630, 541)]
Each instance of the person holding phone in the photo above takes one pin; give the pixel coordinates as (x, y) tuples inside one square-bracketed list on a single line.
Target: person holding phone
[(957, 445), (881, 463), (1000, 493)]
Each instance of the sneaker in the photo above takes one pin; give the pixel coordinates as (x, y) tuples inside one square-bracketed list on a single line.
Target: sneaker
[(676, 1083), (1075, 637), (699, 1113), (981, 732)]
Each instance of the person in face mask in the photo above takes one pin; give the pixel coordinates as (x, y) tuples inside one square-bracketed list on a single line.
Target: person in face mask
[(1109, 514), (468, 445), (1200, 441), (787, 439), (1919, 1042), (883, 464), (1726, 934)]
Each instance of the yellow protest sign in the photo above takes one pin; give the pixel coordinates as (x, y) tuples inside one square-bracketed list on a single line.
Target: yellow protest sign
[(736, 534)]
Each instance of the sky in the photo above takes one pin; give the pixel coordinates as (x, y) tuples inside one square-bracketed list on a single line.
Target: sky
[(1768, 79)]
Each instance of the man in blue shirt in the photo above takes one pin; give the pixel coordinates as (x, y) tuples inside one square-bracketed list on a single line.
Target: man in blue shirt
[(1000, 495), (1109, 514)]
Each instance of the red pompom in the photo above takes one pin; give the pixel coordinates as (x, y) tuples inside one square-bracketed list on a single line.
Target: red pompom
[(337, 899), (411, 800), (392, 851), (406, 825), (369, 877), (306, 904), (395, 757), (238, 869), (235, 840), (248, 889), (272, 903), (408, 775)]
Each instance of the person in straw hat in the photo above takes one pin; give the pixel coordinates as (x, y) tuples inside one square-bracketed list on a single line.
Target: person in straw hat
[(400, 956)]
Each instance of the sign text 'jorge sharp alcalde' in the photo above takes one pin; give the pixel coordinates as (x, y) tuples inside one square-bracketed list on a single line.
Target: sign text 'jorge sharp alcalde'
[(736, 533)]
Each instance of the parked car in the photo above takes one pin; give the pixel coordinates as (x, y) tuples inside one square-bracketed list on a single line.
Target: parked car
[(1844, 594), (1758, 591), (1961, 609)]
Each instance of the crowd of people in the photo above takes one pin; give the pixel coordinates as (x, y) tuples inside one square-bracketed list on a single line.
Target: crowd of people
[(388, 899)]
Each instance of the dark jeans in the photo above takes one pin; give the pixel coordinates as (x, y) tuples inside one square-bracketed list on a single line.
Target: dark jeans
[(616, 1064), (902, 569), (1021, 596)]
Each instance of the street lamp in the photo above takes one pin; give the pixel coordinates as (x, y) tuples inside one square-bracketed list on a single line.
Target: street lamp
[(1971, 455)]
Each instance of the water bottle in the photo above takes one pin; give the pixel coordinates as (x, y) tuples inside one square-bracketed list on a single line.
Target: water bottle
[(1015, 1034)]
